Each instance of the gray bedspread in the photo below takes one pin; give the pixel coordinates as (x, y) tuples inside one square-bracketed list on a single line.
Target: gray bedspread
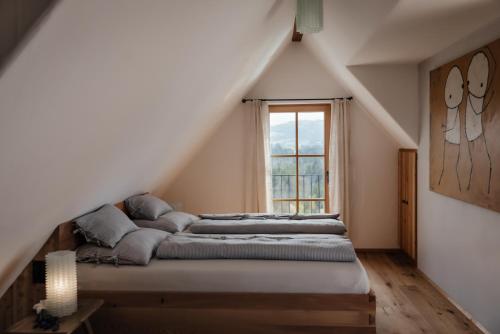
[(263, 216), (268, 226), (303, 247)]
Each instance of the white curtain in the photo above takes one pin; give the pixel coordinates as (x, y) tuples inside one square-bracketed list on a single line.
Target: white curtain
[(257, 192), (339, 160)]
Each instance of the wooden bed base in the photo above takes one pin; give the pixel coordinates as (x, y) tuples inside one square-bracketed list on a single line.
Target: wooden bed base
[(184, 312)]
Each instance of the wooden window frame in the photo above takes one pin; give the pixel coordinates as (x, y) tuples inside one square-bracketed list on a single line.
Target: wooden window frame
[(296, 108)]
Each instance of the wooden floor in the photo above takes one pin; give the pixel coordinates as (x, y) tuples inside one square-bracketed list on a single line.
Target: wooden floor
[(406, 302)]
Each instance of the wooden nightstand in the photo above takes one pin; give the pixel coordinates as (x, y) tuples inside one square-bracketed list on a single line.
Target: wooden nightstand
[(86, 307)]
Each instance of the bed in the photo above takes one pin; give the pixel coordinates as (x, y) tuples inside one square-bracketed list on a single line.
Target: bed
[(248, 276), (227, 296)]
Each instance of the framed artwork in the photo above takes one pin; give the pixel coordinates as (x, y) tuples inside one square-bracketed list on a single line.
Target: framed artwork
[(465, 128)]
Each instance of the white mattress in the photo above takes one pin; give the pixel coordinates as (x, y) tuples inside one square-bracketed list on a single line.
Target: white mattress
[(227, 276)]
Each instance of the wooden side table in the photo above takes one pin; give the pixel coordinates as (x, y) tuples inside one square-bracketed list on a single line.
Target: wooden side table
[(86, 307)]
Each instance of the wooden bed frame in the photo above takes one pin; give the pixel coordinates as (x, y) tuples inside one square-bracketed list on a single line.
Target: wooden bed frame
[(193, 312), (184, 312)]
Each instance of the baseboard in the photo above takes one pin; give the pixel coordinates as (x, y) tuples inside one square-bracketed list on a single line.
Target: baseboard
[(475, 323)]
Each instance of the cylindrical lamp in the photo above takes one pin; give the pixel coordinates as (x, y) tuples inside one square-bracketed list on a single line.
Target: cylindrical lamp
[(309, 16), (60, 283)]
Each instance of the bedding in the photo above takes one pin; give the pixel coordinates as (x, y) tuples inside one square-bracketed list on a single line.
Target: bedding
[(173, 221), (242, 216), (146, 206), (258, 276), (302, 247), (316, 216), (105, 226), (268, 226), (136, 248)]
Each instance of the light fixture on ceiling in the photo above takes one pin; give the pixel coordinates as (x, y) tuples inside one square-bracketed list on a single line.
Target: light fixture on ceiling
[(309, 16)]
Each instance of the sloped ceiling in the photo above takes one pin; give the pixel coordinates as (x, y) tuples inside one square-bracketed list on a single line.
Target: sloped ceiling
[(414, 30), (109, 98), (375, 47)]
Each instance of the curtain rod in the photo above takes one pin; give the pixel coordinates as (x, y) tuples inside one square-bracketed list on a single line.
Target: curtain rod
[(315, 99)]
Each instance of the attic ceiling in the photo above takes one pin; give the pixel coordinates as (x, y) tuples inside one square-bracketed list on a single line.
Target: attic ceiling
[(110, 98), (375, 47), (401, 31)]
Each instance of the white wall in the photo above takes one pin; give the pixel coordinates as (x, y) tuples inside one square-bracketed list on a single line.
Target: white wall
[(296, 74), (374, 177), (459, 243), (108, 98), (213, 180), (395, 87)]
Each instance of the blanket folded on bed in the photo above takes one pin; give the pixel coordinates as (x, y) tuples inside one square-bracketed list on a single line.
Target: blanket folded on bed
[(268, 226), (331, 248), (242, 216)]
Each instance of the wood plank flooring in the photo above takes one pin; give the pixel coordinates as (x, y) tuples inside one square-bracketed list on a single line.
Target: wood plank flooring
[(407, 303)]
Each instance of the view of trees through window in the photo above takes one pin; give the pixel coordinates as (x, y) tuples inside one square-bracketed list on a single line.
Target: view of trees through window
[(298, 158)]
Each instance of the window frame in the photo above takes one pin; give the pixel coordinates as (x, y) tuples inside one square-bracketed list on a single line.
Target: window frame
[(296, 108)]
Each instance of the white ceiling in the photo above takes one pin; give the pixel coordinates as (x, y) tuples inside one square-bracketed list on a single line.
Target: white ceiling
[(402, 31), (109, 98), (375, 44)]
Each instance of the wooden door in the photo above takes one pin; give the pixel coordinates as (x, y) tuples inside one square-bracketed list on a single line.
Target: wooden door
[(408, 202)]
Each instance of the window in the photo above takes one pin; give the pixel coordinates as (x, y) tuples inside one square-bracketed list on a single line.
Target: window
[(299, 138)]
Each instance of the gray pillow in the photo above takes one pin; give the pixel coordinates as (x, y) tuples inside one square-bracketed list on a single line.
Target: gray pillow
[(173, 222), (105, 226), (146, 206), (135, 248)]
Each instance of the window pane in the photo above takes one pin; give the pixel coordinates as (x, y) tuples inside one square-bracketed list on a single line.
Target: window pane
[(311, 207), (311, 132), (284, 177), (284, 206), (312, 177), (282, 132)]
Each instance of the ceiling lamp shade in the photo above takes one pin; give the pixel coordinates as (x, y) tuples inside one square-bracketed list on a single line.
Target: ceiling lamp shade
[(60, 284), (309, 16)]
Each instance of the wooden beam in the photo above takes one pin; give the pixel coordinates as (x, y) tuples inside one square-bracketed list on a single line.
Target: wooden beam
[(297, 36)]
